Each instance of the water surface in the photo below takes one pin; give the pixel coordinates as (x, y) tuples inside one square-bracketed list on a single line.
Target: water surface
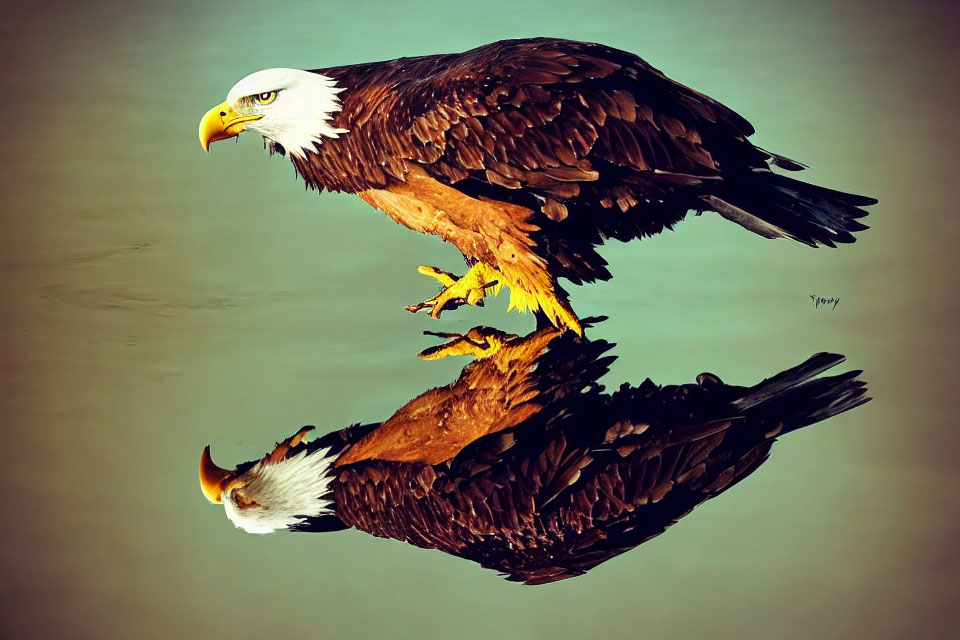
[(156, 299)]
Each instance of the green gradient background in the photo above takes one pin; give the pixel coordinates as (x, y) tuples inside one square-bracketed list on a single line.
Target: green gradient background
[(156, 299)]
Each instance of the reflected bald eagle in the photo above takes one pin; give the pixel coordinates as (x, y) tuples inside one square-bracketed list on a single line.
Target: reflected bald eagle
[(527, 155), (525, 464)]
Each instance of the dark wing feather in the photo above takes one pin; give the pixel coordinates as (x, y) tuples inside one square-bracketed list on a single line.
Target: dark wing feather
[(590, 475), (579, 132), (544, 112), (557, 118)]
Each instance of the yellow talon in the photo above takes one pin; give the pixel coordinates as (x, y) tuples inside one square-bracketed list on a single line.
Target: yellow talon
[(482, 280), (470, 289), (443, 277), (479, 342)]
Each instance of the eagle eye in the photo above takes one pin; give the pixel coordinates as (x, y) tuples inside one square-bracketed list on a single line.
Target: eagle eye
[(242, 501), (266, 97)]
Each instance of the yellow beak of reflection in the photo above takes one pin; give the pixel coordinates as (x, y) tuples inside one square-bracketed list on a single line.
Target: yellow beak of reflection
[(216, 481), (213, 479), (221, 123)]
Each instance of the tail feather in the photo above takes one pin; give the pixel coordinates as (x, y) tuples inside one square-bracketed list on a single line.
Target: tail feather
[(782, 161), (800, 398), (776, 206)]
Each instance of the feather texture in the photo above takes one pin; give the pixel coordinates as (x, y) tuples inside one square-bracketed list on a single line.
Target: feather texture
[(527, 466), (594, 142)]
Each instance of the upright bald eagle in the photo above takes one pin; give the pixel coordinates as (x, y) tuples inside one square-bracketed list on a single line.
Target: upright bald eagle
[(524, 464), (527, 155)]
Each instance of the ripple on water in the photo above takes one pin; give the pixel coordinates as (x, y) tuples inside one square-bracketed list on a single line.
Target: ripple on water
[(116, 297)]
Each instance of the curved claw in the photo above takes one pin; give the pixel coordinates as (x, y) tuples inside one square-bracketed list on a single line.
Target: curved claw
[(443, 334), (474, 298), (457, 291), (426, 304), (449, 305), (445, 278)]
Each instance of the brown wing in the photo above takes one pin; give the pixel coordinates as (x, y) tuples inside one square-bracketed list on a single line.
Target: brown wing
[(589, 476), (569, 131), (543, 114), (566, 120), (552, 498), (543, 125), (591, 499)]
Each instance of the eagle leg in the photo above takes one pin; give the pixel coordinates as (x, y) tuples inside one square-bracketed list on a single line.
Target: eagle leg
[(480, 342), (539, 294), (470, 289)]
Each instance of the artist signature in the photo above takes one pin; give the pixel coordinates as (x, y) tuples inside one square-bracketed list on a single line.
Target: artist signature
[(824, 302)]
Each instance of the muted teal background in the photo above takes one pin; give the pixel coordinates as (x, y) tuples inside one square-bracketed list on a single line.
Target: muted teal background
[(156, 299)]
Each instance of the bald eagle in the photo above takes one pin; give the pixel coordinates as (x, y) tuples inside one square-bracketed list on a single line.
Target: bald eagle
[(527, 155), (525, 464)]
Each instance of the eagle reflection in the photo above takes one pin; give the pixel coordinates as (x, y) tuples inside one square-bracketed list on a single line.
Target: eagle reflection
[(525, 464)]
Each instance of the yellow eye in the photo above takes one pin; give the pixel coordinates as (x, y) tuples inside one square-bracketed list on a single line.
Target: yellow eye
[(266, 97), (242, 501)]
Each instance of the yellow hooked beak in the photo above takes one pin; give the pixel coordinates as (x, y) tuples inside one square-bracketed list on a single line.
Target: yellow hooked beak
[(214, 481), (221, 123)]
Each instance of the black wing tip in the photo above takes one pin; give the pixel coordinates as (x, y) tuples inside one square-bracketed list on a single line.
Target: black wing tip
[(830, 238), (824, 357), (783, 162), (862, 201), (591, 321)]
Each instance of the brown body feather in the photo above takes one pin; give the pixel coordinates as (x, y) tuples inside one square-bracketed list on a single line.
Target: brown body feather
[(526, 466), (572, 142), (547, 124), (438, 424)]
